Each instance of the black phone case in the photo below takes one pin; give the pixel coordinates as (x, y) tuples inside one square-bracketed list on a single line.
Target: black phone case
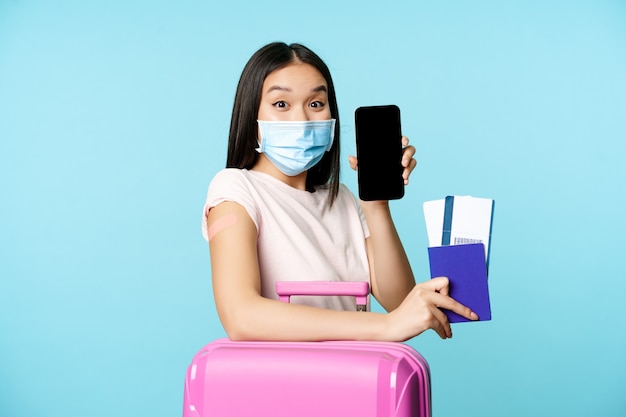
[(379, 152)]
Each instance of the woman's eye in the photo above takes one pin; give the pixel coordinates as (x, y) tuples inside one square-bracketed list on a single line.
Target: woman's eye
[(280, 104), (317, 104)]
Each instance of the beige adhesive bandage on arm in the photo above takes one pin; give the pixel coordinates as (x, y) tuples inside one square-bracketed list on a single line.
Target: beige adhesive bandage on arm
[(221, 224)]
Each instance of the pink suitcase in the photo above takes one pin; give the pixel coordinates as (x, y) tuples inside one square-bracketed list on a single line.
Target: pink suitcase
[(308, 379)]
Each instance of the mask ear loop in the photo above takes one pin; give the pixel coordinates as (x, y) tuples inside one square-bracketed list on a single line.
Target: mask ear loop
[(332, 134), (259, 134)]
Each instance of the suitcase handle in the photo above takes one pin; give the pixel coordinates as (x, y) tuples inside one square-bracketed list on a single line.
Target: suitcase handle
[(359, 290)]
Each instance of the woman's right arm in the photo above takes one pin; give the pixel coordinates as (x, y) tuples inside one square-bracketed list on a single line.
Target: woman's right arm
[(247, 315)]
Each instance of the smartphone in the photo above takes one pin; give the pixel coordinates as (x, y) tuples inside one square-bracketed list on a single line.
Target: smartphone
[(379, 151)]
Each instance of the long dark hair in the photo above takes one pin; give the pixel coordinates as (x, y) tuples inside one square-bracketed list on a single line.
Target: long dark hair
[(243, 136)]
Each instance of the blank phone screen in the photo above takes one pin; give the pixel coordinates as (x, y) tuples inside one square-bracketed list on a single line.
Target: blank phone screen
[(379, 151)]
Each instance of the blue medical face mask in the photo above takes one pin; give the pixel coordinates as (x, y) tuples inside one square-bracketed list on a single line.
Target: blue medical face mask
[(295, 147)]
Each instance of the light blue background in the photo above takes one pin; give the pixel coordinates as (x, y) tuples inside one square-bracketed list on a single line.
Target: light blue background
[(114, 118)]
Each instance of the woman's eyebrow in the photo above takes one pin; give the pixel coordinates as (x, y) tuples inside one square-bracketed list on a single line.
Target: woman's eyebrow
[(278, 88), (319, 88)]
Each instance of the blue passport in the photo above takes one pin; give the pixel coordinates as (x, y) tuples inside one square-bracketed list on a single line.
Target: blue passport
[(465, 267)]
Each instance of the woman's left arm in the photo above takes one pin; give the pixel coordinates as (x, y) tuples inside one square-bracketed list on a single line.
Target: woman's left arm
[(390, 272)]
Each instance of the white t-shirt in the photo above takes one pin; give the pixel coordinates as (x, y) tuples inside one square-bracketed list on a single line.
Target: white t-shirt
[(299, 238)]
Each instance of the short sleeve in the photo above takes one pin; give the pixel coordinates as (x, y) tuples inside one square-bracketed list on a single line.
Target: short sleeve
[(229, 185)]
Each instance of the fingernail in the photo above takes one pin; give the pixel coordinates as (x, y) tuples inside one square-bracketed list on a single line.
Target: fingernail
[(474, 316)]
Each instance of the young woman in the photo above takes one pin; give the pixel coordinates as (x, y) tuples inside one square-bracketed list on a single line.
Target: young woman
[(278, 213)]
